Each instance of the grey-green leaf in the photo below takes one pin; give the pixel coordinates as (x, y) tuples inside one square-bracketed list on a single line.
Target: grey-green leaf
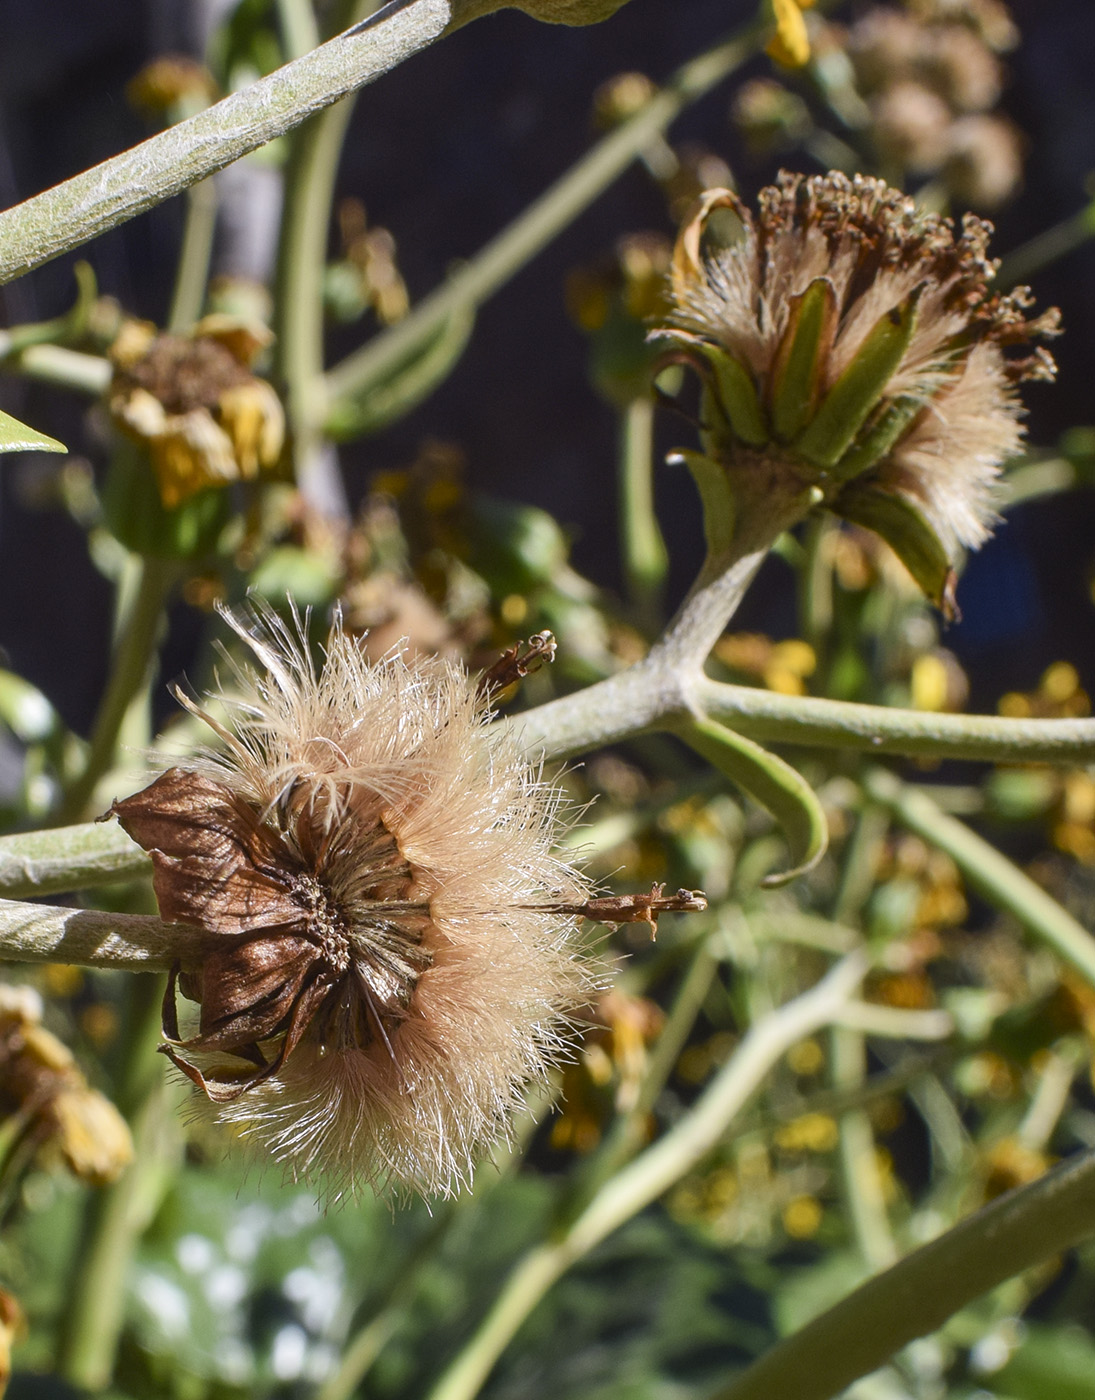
[(778, 787)]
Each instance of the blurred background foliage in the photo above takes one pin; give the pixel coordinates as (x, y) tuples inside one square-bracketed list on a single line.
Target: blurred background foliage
[(497, 474)]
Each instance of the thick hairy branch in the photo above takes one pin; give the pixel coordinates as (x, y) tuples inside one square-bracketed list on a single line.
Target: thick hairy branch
[(91, 203), (91, 938), (651, 696)]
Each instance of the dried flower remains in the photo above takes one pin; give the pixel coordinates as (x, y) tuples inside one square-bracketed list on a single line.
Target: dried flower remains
[(193, 403), (850, 343), (388, 947)]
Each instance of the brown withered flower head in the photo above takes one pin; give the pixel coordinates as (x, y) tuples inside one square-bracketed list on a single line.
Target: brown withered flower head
[(850, 342), (383, 962), (193, 403), (43, 1088)]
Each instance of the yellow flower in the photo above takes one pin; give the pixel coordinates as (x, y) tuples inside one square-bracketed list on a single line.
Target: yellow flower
[(192, 401), (790, 45)]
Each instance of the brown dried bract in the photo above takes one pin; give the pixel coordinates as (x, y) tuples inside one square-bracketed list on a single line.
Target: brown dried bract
[(635, 908), (289, 958), (517, 662)]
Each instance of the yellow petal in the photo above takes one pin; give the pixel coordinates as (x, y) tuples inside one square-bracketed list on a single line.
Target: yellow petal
[(790, 45)]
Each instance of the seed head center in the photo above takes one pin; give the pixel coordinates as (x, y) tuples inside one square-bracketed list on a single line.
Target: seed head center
[(325, 922)]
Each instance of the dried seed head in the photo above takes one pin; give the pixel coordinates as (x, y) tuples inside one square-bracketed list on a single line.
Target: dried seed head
[(850, 340), (192, 401), (374, 865)]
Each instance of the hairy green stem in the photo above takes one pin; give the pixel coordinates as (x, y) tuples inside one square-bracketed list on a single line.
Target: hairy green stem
[(134, 655), (93, 938), (650, 696), (650, 1174), (987, 871), (538, 224), (65, 858), (918, 1294), (99, 199)]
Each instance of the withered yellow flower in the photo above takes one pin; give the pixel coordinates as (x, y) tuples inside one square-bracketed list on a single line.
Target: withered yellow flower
[(850, 344), (41, 1081), (388, 948), (193, 402)]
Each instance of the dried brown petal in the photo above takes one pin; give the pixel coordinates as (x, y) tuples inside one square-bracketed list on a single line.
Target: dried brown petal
[(217, 865)]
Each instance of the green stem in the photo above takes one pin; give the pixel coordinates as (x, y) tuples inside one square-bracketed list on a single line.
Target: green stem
[(118, 1214), (374, 1334), (302, 257), (56, 364), (61, 859), (650, 1174), (192, 273), (297, 22), (644, 556), (918, 1294), (987, 871), (1047, 247), (654, 696), (94, 938), (537, 225), (99, 199), (134, 656)]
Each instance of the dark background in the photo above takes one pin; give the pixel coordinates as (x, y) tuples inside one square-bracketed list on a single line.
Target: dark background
[(444, 151)]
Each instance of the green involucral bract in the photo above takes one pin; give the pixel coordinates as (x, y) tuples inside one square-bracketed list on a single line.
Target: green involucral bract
[(847, 405), (800, 359), (907, 533)]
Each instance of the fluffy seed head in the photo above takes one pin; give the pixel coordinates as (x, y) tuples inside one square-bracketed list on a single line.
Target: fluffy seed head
[(852, 337), (369, 861)]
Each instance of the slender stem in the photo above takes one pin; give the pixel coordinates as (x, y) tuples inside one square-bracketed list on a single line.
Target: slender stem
[(134, 655), (642, 547), (989, 872), (373, 1335), (919, 1293), (538, 224), (99, 199), (627, 1132), (117, 1215), (65, 858), (650, 1174), (192, 273), (297, 22), (56, 364), (1047, 247), (302, 256), (652, 696)]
